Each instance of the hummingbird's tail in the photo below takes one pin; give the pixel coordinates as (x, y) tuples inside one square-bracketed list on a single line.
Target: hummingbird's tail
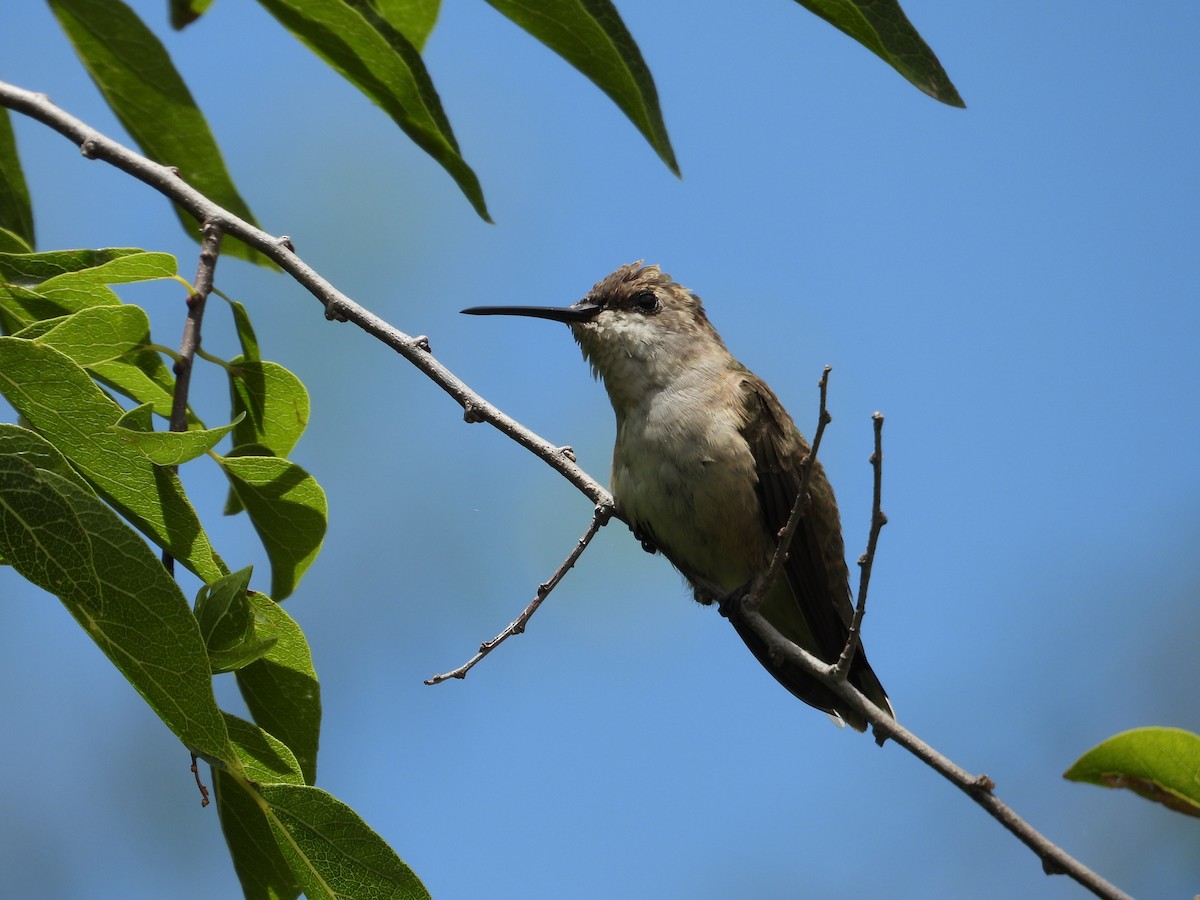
[(813, 691)]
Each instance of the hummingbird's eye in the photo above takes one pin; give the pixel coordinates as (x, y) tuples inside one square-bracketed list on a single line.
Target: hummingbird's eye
[(647, 301)]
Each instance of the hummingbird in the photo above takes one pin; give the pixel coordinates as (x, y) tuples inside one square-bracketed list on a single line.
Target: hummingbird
[(707, 467)]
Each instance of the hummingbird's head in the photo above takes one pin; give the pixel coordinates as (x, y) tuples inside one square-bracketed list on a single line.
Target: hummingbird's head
[(637, 327)]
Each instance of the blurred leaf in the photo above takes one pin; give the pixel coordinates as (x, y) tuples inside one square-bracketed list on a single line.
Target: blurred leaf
[(377, 59), (63, 539), (261, 868), (16, 212), (412, 18), (185, 12), (171, 448), (233, 634), (139, 82), (1160, 764), (882, 27), (274, 402), (281, 689), (65, 406), (331, 849), (11, 242), (288, 510), (590, 35)]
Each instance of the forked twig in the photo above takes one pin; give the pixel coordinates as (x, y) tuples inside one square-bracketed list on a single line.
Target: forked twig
[(517, 626)]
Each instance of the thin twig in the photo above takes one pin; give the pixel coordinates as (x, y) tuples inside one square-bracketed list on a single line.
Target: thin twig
[(199, 783), (867, 560), (338, 306), (189, 344), (763, 581), (517, 626)]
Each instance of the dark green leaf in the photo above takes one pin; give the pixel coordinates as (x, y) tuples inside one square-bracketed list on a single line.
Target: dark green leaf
[(140, 83), (288, 510), (281, 689), (245, 331), (234, 634), (1160, 764), (264, 757), (882, 27), (11, 242), (65, 406), (590, 35), (185, 12), (377, 59), (16, 212), (412, 18), (63, 539), (331, 849)]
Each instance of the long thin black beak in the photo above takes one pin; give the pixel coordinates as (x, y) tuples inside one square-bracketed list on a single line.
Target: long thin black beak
[(579, 312)]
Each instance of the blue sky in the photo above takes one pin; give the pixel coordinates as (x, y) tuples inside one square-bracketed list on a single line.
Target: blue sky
[(1013, 285)]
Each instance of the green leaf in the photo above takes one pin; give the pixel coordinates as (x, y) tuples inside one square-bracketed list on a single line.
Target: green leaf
[(264, 757), (171, 448), (882, 27), (11, 242), (66, 407), (30, 446), (590, 35), (288, 510), (331, 849), (16, 212), (139, 82), (260, 866), (185, 12), (1160, 764), (233, 634), (281, 689), (274, 402), (96, 334), (412, 18), (245, 330), (63, 539), (377, 59), (31, 269)]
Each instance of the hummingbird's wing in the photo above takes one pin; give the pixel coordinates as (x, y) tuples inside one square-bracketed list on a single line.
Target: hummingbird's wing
[(816, 565)]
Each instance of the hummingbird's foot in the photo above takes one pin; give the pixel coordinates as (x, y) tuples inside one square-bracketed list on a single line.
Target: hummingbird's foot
[(648, 545), (727, 604)]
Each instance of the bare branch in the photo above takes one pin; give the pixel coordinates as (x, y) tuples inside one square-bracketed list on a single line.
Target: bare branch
[(210, 248), (867, 560), (339, 307), (979, 788), (599, 520)]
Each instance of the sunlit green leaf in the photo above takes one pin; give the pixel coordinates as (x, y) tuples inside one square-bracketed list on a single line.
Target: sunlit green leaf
[(288, 510), (274, 402), (412, 18), (1160, 764), (590, 35), (140, 83), (31, 269), (171, 448), (64, 405), (97, 334), (260, 866), (331, 850), (234, 634), (11, 242)]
